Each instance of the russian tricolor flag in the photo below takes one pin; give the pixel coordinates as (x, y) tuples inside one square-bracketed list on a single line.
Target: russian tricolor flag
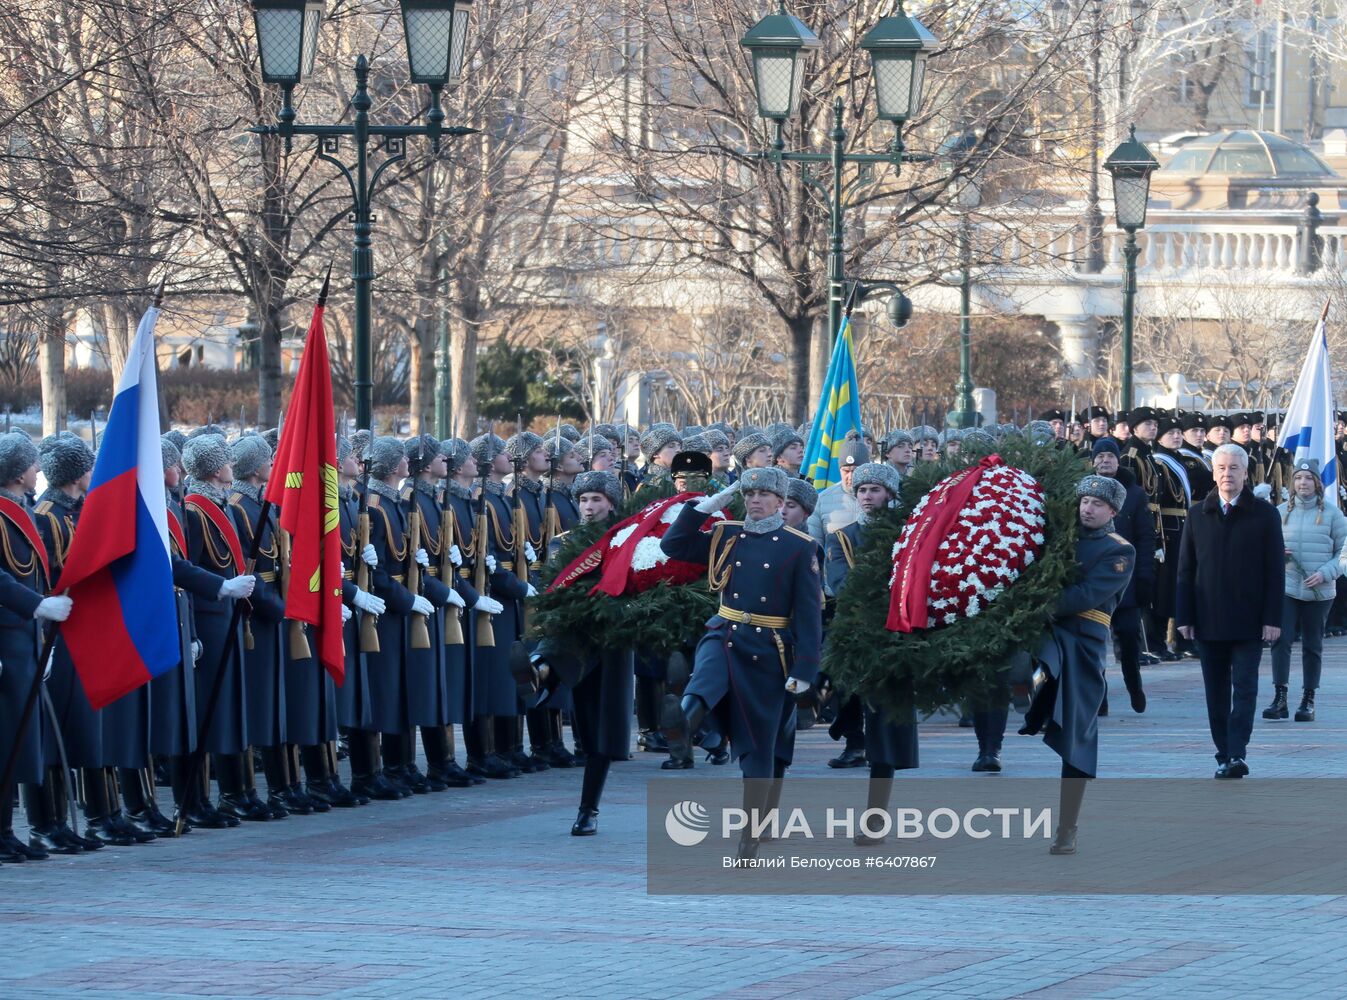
[(122, 630)]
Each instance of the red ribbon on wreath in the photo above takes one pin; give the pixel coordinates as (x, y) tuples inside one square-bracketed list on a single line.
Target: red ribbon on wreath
[(912, 569)]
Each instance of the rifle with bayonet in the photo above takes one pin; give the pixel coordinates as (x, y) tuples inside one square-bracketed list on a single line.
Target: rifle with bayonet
[(369, 634)]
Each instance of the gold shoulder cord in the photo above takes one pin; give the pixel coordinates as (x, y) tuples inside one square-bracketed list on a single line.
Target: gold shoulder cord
[(221, 560), (396, 556), (718, 566), (466, 546), (430, 529), (272, 549), (58, 537), (847, 552), (502, 544), (355, 536), (17, 568)]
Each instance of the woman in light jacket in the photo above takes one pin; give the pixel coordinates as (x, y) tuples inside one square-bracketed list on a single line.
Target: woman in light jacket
[(1315, 535)]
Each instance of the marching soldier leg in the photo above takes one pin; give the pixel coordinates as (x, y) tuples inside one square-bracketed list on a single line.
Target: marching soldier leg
[(1072, 794), (591, 790), (877, 793), (849, 726)]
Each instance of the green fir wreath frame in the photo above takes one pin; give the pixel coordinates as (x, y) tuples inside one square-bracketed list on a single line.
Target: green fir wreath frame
[(951, 664), (657, 621)]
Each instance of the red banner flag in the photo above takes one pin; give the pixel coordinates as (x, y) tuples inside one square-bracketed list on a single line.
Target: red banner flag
[(303, 485)]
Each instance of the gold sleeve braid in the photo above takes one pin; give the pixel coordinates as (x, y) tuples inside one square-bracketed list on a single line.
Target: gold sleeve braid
[(718, 565)]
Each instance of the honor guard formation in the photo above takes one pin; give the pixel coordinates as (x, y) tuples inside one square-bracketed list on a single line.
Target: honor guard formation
[(445, 546)]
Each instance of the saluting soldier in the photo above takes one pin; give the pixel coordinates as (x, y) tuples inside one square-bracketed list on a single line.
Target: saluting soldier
[(889, 745), (437, 678), (1065, 708), (1165, 497), (764, 640), (263, 661), (213, 544)]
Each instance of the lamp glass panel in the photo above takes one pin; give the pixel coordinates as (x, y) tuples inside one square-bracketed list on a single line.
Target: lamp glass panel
[(459, 43), (1129, 200), (428, 32), (313, 19), (893, 86), (280, 38), (918, 82), (777, 80)]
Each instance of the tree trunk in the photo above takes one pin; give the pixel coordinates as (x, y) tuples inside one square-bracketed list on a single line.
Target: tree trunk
[(52, 365), (797, 368), (421, 391), (820, 355), (269, 368), (117, 327), (463, 376)]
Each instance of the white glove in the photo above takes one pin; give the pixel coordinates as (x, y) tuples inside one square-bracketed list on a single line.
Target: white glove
[(422, 558), (529, 554), (796, 686), (455, 556), (488, 606), (718, 501), (1159, 555), (366, 601), (491, 564), (53, 609), (345, 614), (455, 600), (370, 557), (532, 591), (196, 650), (239, 586), (1263, 491), (421, 606)]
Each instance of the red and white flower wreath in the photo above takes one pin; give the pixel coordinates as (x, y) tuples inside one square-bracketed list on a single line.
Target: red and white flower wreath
[(996, 536)]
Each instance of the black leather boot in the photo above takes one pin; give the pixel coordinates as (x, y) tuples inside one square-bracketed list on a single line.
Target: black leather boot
[(1305, 713), (1278, 708)]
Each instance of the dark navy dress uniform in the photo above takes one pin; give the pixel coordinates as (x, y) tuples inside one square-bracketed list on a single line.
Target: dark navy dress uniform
[(768, 629), (1074, 650), (462, 525), (173, 693), (22, 585), (436, 677), (387, 667), (499, 697), (263, 662), (81, 726), (888, 743), (208, 549), (353, 697)]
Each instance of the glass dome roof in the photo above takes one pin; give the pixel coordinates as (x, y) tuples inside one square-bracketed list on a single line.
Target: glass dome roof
[(1246, 154)]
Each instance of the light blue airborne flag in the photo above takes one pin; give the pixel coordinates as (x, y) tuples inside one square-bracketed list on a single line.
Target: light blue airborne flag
[(1307, 428), (838, 411)]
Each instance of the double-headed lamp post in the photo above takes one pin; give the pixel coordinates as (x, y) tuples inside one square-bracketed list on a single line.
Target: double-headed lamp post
[(967, 196), (1131, 165), (287, 43), (780, 45)]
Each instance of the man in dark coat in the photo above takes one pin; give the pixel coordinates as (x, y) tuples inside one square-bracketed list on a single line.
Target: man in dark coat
[(1231, 575), (762, 644), (1136, 524), (889, 745), (601, 680), (1066, 707)]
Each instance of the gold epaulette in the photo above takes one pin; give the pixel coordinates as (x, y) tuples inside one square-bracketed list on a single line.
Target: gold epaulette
[(1119, 538), (803, 534), (406, 493), (373, 500), (43, 508), (844, 542)]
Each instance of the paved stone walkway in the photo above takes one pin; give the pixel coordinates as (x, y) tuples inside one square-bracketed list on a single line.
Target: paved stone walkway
[(482, 893)]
